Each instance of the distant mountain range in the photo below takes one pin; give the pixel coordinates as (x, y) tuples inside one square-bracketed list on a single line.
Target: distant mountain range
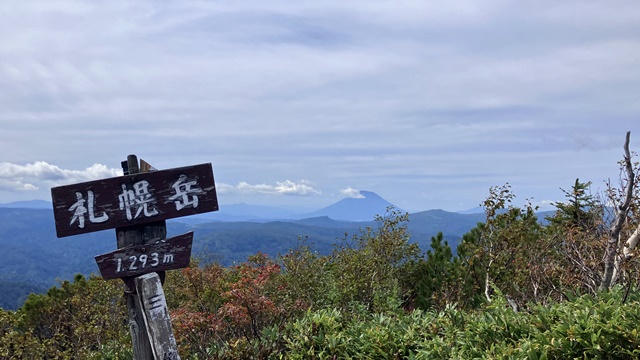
[(362, 208), (34, 258), (29, 204)]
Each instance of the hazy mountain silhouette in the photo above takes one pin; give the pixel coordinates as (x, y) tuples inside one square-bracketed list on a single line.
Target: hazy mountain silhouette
[(364, 208), (245, 212), (28, 204), (475, 210)]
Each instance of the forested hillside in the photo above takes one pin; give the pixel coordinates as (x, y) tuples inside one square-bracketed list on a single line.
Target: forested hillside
[(515, 288), (512, 290), (35, 259)]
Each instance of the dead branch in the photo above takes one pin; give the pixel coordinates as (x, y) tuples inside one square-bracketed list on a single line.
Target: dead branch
[(612, 261)]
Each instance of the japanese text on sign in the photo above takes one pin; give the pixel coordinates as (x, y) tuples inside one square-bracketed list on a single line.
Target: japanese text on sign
[(134, 199)]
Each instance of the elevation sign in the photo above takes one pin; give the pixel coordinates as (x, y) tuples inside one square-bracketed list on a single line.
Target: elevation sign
[(169, 254)]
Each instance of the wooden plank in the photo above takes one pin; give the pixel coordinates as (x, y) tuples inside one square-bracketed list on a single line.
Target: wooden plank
[(133, 199), (169, 254), (156, 317)]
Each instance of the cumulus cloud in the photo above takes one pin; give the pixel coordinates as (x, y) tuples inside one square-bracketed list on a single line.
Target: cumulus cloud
[(352, 193), (290, 188), (42, 174), (12, 185), (287, 187)]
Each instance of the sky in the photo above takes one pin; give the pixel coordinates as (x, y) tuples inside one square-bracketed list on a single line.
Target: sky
[(302, 103)]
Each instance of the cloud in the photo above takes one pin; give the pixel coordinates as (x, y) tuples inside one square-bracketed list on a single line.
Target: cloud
[(23, 177), (290, 188), (352, 193), (40, 174), (446, 98), (12, 185), (286, 187)]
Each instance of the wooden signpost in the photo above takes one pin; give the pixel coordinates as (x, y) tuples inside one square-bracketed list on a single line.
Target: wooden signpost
[(137, 205)]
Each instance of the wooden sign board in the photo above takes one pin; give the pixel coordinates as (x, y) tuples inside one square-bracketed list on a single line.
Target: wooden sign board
[(169, 254), (133, 199)]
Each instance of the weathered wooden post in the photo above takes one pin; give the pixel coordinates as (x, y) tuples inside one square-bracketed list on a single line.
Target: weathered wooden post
[(132, 236), (137, 205)]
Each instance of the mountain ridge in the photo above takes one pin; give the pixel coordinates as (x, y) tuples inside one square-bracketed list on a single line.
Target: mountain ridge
[(363, 207), (28, 204), (37, 259)]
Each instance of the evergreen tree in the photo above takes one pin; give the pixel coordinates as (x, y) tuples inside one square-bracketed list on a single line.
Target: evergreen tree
[(580, 210)]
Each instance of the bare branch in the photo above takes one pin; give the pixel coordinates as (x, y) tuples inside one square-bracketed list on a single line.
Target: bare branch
[(612, 263)]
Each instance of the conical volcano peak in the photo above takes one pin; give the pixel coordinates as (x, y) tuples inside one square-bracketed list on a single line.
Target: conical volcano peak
[(370, 195), (358, 206)]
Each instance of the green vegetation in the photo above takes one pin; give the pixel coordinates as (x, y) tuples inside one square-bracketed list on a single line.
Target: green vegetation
[(82, 319), (515, 288), (586, 328), (35, 259), (373, 297)]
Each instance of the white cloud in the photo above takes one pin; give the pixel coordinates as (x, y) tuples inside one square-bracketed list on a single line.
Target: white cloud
[(23, 177), (352, 193), (286, 187), (12, 185), (290, 188), (40, 174)]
